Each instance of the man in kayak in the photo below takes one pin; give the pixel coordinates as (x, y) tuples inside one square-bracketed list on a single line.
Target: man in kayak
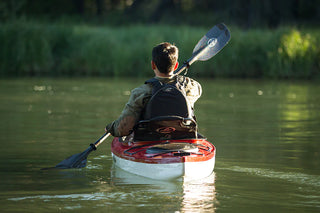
[(164, 63)]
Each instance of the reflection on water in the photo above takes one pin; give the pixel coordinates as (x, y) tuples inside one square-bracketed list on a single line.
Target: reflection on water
[(196, 195), (199, 195), (297, 113)]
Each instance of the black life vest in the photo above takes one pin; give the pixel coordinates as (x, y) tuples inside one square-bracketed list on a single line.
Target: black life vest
[(168, 99)]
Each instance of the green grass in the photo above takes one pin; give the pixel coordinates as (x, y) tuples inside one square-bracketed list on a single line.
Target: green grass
[(29, 48)]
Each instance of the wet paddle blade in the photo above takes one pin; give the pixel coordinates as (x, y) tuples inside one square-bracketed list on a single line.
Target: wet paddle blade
[(79, 160), (210, 44), (75, 161)]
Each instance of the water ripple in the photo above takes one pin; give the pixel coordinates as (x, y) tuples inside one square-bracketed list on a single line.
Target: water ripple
[(298, 178), (94, 196)]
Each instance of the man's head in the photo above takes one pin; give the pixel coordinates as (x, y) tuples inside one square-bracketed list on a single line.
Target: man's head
[(165, 57)]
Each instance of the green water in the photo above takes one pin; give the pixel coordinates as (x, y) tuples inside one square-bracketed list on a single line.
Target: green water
[(266, 134)]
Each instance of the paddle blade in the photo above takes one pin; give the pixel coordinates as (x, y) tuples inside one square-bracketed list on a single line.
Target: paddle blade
[(75, 161), (79, 160), (210, 44)]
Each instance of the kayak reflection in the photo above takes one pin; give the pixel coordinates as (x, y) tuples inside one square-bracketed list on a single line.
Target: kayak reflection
[(194, 195)]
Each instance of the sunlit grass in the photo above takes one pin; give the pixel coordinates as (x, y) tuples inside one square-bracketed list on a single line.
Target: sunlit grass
[(298, 53)]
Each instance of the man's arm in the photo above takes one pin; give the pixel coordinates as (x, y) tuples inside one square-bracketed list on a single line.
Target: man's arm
[(131, 113)]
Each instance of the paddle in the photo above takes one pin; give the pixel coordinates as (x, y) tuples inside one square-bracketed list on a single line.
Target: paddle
[(79, 160), (209, 45)]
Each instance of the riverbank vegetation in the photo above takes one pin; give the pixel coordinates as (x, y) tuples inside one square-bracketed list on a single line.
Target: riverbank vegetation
[(31, 48), (270, 39)]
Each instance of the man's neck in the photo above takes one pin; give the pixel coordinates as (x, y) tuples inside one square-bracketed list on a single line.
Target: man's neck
[(163, 75)]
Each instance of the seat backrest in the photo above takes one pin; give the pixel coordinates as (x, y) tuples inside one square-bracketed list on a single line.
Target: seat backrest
[(168, 114), (167, 100), (165, 128)]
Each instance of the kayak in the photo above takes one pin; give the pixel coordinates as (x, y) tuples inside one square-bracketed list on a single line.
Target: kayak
[(165, 159)]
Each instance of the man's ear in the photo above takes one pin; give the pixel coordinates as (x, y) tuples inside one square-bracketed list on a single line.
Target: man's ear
[(153, 65), (176, 66)]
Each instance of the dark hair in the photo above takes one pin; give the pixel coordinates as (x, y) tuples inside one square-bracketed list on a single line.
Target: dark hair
[(165, 56)]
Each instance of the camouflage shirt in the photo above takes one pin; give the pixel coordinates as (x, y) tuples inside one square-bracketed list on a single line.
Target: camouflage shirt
[(139, 98)]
